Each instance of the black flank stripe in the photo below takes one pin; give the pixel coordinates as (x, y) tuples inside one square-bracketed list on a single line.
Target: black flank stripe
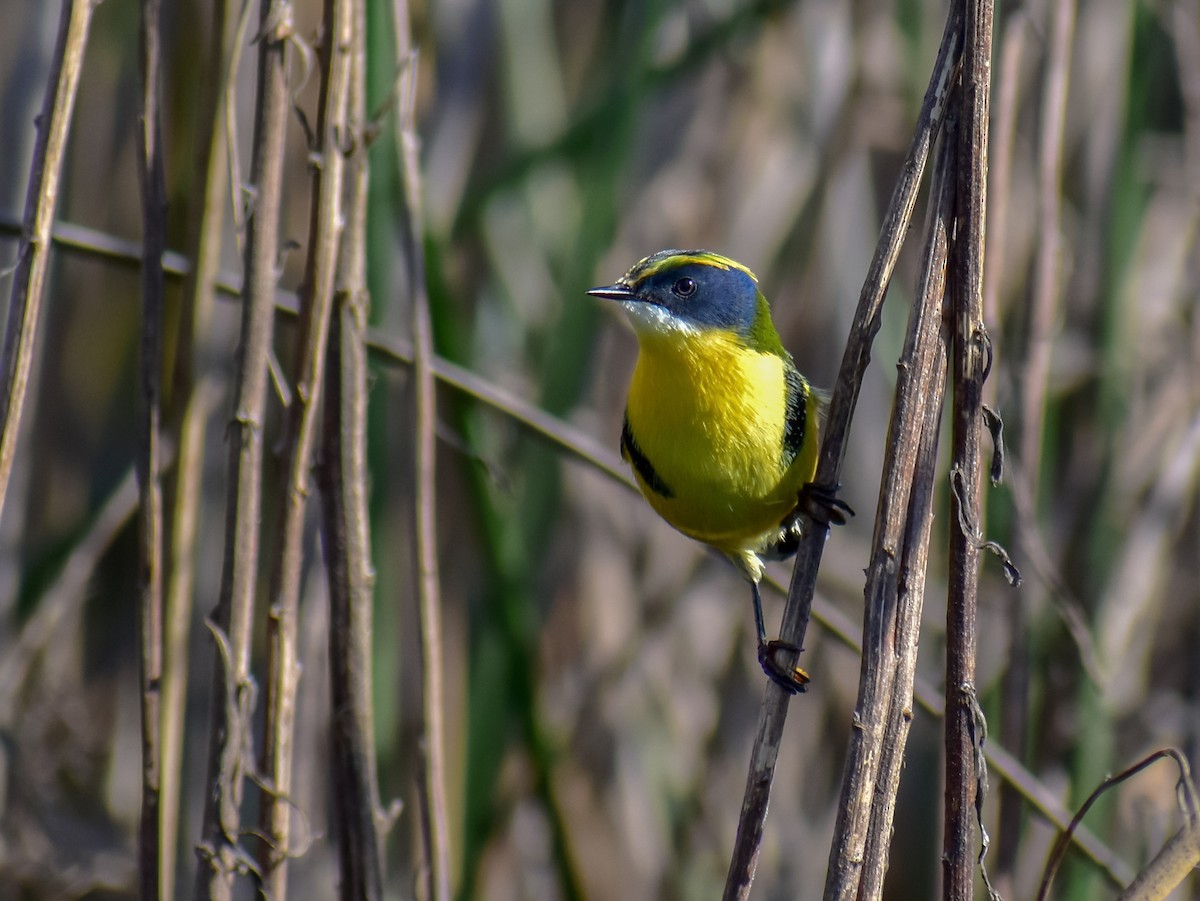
[(795, 397), (644, 468)]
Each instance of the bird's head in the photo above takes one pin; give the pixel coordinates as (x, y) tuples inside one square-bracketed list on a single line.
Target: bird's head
[(677, 293)]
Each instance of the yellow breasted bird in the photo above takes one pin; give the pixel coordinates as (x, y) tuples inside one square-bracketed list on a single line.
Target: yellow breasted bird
[(721, 429)]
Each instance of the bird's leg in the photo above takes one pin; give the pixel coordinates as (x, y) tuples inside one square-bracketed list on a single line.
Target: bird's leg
[(791, 679), (823, 505)]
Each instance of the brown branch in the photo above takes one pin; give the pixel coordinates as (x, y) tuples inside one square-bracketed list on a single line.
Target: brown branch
[(970, 359), (316, 300), (151, 172), (220, 854), (866, 324), (343, 480), (895, 586), (33, 255)]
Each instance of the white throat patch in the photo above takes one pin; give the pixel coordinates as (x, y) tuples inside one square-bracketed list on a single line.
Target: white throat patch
[(649, 318)]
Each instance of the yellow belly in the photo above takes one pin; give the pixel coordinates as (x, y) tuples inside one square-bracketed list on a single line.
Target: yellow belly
[(709, 415)]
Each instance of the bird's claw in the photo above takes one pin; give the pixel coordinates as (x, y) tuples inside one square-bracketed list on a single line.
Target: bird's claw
[(824, 506), (790, 678)]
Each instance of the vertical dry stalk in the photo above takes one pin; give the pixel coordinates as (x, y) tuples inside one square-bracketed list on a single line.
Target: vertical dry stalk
[(41, 199), (316, 299), (220, 855), (149, 455), (773, 714), (193, 397), (970, 360), (434, 806), (343, 478), (895, 586)]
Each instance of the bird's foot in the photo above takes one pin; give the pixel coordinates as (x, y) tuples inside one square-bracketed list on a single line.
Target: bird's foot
[(823, 505), (789, 677)]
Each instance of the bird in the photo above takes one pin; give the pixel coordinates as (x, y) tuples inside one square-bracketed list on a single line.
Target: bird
[(720, 429)]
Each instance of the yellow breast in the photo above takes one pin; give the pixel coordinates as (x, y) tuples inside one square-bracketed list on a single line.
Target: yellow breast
[(708, 415)]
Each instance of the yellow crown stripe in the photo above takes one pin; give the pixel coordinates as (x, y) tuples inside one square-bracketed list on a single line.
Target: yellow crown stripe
[(652, 266)]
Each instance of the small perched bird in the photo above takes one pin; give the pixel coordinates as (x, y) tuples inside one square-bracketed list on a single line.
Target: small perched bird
[(721, 429)]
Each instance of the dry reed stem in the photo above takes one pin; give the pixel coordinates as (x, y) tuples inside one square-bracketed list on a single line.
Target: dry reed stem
[(971, 351), (220, 853), (900, 553), (312, 338), (33, 254), (345, 516), (151, 172)]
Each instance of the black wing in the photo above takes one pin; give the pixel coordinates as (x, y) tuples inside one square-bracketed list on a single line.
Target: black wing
[(641, 464), (796, 398)]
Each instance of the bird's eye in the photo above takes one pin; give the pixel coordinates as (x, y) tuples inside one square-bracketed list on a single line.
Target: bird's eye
[(685, 287)]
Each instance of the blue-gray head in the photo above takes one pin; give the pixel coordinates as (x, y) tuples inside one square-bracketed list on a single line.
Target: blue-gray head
[(690, 291)]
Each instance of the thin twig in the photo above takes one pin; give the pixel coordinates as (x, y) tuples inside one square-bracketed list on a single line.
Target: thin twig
[(152, 175), (1141, 886), (970, 360), (343, 479), (896, 573), (33, 255), (220, 856), (434, 805), (312, 338), (866, 324)]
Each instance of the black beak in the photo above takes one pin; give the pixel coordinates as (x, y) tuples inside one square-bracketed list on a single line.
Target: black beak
[(613, 292)]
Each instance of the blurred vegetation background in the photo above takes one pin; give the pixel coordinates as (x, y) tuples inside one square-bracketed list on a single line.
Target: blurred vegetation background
[(601, 692)]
